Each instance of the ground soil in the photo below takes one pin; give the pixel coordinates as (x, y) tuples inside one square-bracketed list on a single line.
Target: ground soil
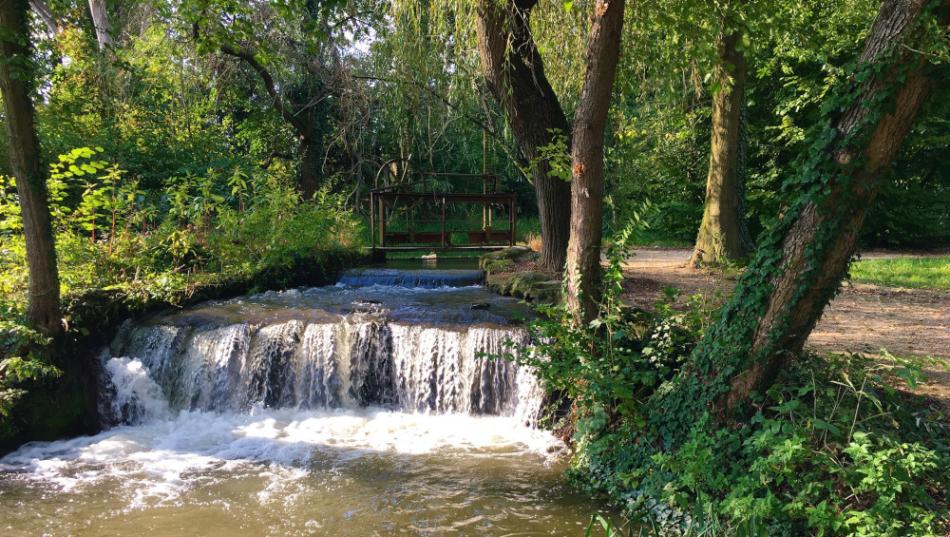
[(862, 318)]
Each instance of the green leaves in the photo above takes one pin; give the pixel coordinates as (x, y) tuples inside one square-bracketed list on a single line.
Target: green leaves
[(556, 156), (14, 373), (77, 163)]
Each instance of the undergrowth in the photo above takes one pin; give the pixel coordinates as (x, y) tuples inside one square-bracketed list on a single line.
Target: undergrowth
[(140, 245), (838, 446)]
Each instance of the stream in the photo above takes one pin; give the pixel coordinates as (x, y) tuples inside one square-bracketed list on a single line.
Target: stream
[(363, 408)]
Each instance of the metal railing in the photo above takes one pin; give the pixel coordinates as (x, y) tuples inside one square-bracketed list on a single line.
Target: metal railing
[(407, 198)]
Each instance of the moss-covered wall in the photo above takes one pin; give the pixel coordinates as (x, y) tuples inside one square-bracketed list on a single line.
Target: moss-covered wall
[(513, 272)]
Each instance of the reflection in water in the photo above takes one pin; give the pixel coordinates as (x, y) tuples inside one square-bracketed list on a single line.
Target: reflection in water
[(330, 411)]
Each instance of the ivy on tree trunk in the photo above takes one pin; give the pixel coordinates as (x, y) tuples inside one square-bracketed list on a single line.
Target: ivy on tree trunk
[(16, 79), (803, 258)]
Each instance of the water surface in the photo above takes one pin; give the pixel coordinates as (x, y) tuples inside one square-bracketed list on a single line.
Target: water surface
[(365, 408)]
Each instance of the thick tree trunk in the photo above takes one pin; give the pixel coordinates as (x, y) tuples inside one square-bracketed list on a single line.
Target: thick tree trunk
[(16, 67), (720, 237), (800, 265), (311, 165), (745, 236), (514, 73), (587, 160), (99, 11)]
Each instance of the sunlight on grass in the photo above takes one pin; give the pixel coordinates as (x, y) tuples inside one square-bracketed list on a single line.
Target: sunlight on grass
[(922, 273)]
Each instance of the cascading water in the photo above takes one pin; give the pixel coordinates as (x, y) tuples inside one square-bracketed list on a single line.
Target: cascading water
[(366, 408), (416, 349)]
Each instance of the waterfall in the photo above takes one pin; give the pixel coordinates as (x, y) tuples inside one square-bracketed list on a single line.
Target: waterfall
[(324, 349), (412, 277)]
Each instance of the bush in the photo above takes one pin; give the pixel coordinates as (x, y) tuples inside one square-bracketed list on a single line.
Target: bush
[(836, 447), (133, 247)]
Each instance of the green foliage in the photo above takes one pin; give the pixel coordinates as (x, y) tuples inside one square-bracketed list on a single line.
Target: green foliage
[(112, 234), (16, 372), (836, 447), (556, 155), (610, 366), (217, 227)]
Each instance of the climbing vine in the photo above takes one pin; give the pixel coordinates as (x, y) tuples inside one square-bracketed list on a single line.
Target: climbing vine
[(828, 185)]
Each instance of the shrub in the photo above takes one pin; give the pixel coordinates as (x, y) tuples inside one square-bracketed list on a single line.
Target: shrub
[(838, 445)]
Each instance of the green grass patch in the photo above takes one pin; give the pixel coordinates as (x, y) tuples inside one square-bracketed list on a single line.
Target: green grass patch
[(914, 272)]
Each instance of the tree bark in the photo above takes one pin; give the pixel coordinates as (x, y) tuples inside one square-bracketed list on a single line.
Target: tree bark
[(721, 238), (799, 268), (99, 11), (16, 79), (514, 73), (587, 160), (46, 14), (309, 175)]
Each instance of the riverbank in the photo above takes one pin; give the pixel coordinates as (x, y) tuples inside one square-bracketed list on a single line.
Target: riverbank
[(65, 405), (366, 407)]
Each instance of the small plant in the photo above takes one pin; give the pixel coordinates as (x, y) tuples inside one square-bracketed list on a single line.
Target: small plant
[(158, 244)]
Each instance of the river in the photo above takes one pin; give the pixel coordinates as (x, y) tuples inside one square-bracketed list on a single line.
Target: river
[(363, 408)]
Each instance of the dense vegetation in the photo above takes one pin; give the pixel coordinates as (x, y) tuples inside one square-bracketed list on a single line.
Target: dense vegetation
[(836, 446), (178, 145)]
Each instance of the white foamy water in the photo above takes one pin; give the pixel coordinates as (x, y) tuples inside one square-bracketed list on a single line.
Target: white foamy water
[(329, 411), (359, 360), (278, 472), (157, 461), (136, 397)]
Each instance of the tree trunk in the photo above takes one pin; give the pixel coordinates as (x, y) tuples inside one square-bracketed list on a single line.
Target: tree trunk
[(16, 70), (99, 11), (720, 239), (46, 15), (310, 145), (587, 160), (311, 165), (514, 73), (803, 258)]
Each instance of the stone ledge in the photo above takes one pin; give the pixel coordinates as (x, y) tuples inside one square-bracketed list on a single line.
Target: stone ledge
[(512, 272)]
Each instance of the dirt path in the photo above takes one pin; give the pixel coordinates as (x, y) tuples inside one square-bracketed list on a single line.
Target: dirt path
[(862, 318)]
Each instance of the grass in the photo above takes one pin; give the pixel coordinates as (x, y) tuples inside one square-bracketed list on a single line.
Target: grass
[(913, 272)]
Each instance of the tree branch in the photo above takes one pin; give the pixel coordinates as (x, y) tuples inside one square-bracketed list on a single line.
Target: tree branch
[(519, 161), (249, 58), (45, 13)]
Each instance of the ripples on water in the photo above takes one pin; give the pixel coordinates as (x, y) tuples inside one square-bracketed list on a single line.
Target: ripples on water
[(194, 462)]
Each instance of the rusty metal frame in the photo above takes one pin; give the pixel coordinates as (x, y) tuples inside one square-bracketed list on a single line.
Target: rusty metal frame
[(387, 197)]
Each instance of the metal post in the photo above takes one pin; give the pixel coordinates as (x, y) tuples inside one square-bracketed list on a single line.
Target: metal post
[(372, 219), (485, 209), (382, 221), (484, 206), (513, 221), (443, 222)]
